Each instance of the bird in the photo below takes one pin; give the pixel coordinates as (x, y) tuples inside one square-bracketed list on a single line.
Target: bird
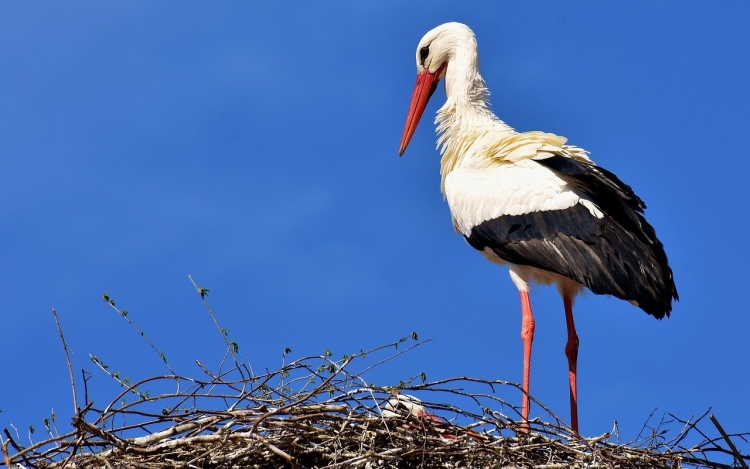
[(406, 406), (531, 202)]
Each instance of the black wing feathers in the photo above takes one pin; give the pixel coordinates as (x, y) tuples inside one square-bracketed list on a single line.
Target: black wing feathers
[(617, 255), (605, 189)]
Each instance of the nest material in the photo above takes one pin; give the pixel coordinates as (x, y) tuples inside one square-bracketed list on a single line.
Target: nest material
[(314, 413)]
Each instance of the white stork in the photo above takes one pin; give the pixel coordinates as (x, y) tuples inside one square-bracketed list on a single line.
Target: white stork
[(531, 202), (406, 406)]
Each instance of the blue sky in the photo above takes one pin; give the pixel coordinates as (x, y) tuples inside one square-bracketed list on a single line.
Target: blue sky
[(254, 146)]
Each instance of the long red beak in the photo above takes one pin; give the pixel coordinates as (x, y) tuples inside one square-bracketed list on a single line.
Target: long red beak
[(426, 85)]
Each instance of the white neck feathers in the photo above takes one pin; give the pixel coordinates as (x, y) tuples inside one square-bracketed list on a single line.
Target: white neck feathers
[(465, 123)]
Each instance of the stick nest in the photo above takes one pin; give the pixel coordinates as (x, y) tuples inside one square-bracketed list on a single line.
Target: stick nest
[(316, 413)]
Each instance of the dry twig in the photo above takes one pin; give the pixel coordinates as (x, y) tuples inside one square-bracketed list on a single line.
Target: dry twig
[(67, 359)]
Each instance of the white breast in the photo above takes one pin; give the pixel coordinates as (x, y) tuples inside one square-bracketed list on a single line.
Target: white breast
[(477, 195)]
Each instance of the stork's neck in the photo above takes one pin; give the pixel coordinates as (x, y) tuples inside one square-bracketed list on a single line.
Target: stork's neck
[(463, 81), (466, 109), (465, 122)]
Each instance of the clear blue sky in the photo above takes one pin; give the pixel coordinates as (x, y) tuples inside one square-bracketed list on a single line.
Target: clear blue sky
[(254, 146)]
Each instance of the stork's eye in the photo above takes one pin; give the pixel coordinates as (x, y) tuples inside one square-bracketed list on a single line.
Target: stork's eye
[(423, 53)]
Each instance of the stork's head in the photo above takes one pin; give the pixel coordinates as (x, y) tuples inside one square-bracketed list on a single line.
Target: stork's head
[(404, 405), (434, 52)]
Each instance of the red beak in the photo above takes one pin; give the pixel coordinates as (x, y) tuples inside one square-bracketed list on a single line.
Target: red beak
[(426, 85)]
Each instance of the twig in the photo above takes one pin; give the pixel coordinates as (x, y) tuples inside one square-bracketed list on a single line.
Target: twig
[(303, 398), (6, 454), (67, 359), (736, 453), (10, 439), (391, 357), (85, 385), (125, 315), (202, 292), (276, 450), (102, 366), (104, 460)]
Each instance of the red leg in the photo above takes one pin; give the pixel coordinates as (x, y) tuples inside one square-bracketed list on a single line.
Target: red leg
[(527, 335), (571, 351)]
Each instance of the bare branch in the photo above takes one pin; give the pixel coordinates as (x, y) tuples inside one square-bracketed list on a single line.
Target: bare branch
[(67, 359), (736, 453), (231, 346)]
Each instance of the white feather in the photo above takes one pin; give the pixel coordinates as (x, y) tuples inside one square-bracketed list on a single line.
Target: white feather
[(477, 195)]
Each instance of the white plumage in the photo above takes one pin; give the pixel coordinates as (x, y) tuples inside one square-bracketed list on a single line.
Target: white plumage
[(477, 195), (404, 405)]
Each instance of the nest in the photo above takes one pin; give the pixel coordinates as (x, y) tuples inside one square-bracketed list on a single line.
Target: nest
[(317, 413), (320, 412)]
